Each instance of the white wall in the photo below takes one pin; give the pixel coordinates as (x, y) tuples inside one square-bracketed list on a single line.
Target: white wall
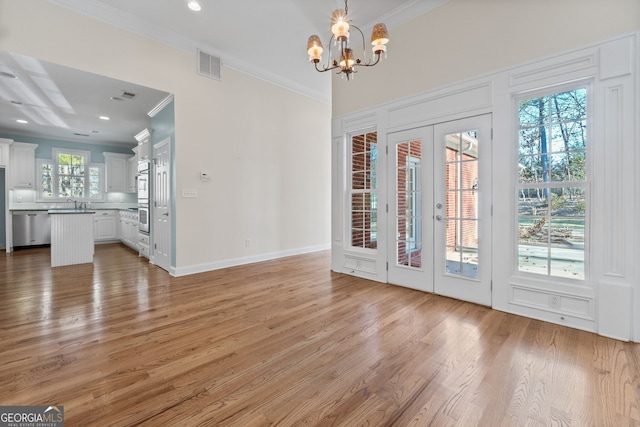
[(266, 148), (463, 39)]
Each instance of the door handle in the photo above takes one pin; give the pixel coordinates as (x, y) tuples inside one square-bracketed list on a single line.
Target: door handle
[(165, 214)]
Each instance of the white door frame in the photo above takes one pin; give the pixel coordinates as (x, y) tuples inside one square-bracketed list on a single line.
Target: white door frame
[(161, 217)]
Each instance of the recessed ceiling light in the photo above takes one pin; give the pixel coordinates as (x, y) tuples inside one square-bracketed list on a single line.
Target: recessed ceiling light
[(24, 122), (116, 98), (8, 75), (95, 131), (104, 118), (194, 5), (16, 102)]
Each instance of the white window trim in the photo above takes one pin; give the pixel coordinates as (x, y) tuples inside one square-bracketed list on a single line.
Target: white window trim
[(348, 239), (586, 185), (54, 154)]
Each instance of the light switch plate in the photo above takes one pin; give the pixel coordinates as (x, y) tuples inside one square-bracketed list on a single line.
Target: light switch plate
[(189, 192)]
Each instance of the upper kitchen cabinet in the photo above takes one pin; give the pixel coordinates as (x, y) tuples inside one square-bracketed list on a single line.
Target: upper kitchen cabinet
[(117, 173), (23, 160), (132, 171), (4, 151), (144, 145)]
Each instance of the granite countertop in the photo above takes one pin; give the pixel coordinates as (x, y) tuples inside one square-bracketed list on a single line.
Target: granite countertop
[(93, 208), (70, 211)]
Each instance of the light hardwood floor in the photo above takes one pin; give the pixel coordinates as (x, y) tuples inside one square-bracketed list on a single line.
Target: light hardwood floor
[(290, 343)]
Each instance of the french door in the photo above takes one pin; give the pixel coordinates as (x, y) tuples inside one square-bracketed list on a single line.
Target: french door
[(440, 209)]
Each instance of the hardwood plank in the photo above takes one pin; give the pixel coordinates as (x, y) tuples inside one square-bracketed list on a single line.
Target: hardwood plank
[(289, 343)]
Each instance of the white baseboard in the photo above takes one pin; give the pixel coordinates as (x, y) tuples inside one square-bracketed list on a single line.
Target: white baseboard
[(201, 268)]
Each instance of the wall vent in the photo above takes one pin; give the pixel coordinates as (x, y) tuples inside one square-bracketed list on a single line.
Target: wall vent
[(128, 95), (209, 65)]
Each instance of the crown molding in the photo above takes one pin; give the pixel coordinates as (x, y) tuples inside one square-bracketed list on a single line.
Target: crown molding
[(126, 21), (406, 12)]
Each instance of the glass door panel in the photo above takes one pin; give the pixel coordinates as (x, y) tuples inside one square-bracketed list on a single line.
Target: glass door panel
[(408, 213), (461, 178), (410, 192), (462, 192)]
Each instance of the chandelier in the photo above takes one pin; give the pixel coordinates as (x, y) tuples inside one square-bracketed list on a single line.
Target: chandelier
[(347, 63)]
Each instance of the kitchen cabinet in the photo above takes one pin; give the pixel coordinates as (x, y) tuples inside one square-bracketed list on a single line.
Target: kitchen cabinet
[(143, 245), (105, 226), (144, 145), (129, 228), (132, 164), (23, 164), (117, 173), (4, 152)]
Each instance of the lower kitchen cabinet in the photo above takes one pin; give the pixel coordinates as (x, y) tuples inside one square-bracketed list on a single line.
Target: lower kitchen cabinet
[(105, 226), (129, 228)]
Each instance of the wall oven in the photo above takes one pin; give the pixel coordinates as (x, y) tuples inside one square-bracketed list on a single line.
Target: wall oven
[(143, 197), (143, 183), (143, 218)]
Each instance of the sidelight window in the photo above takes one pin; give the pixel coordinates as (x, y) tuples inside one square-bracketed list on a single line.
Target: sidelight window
[(363, 190)]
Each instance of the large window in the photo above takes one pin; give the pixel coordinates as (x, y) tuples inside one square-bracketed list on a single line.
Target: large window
[(552, 186), (69, 175), (364, 195)]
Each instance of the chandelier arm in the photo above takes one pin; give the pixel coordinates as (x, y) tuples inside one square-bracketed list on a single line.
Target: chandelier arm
[(327, 68), (329, 56), (364, 46), (368, 64)]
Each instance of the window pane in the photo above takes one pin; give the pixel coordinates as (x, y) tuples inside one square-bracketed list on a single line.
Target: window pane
[(568, 106), (534, 111), (533, 240), (568, 136), (568, 166), (567, 232), (46, 183)]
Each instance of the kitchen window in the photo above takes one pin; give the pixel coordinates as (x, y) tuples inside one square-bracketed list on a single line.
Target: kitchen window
[(69, 175)]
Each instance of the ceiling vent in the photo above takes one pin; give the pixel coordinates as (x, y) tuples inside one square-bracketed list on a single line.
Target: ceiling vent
[(209, 65), (128, 95)]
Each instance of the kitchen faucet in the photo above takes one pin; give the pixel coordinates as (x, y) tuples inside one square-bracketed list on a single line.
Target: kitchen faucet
[(75, 203)]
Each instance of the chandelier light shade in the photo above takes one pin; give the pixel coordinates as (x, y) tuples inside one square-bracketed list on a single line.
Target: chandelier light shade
[(379, 38), (314, 48), (346, 61)]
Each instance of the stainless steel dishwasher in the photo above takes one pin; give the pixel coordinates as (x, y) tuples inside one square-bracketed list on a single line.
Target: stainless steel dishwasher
[(31, 228)]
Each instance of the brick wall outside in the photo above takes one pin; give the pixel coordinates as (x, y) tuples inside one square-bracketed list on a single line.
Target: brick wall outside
[(467, 196), (406, 150)]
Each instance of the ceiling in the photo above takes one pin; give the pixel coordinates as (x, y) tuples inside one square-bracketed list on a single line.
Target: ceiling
[(63, 103), (266, 39)]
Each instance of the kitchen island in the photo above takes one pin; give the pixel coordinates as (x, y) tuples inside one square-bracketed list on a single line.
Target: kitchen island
[(71, 236)]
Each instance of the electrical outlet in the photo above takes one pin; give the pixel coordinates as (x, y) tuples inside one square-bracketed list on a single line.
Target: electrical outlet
[(189, 192), (247, 243), (554, 301)]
